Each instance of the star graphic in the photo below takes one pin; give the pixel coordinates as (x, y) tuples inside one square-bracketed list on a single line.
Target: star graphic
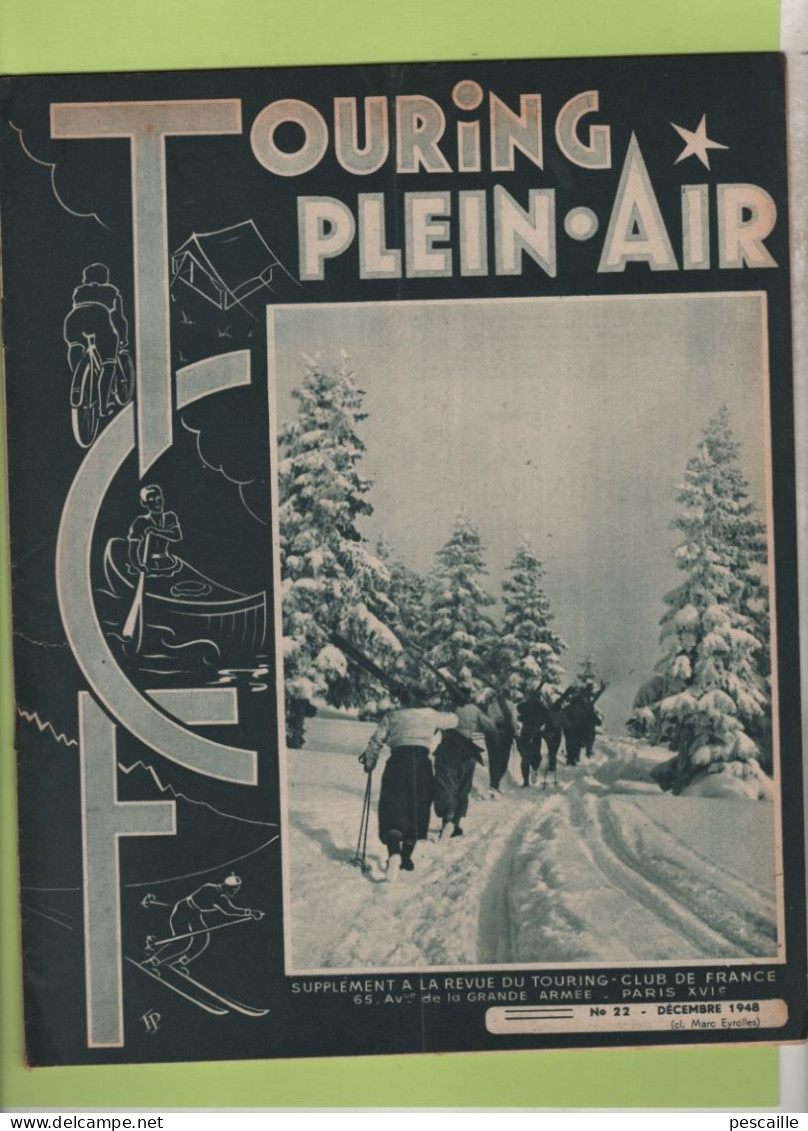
[(697, 142)]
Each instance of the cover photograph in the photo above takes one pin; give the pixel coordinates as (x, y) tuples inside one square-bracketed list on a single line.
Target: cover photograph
[(403, 555)]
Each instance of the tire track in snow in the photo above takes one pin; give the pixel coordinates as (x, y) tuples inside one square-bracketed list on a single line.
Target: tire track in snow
[(616, 862), (495, 934), (760, 893), (710, 893), (570, 903)]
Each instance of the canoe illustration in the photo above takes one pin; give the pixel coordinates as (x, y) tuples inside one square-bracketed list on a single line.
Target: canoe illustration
[(191, 605)]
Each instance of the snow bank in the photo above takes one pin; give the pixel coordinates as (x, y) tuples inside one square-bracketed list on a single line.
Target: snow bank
[(628, 763), (732, 781)]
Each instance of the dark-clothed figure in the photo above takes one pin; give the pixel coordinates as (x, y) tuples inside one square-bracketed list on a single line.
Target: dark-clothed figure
[(532, 715), (540, 719), (500, 742), (553, 732), (189, 921), (455, 760), (407, 788), (581, 721)]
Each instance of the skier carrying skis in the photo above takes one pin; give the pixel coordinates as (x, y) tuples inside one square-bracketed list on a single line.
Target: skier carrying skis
[(189, 924), (405, 800), (553, 731), (500, 742), (455, 760), (532, 717), (581, 720), (540, 719)]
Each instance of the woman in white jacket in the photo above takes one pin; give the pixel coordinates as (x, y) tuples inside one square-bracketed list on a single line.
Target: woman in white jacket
[(411, 733)]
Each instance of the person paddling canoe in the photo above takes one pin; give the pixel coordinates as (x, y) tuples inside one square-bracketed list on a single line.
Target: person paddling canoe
[(151, 534)]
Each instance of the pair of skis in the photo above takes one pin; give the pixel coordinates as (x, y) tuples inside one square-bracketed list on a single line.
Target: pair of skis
[(174, 978), (390, 682)]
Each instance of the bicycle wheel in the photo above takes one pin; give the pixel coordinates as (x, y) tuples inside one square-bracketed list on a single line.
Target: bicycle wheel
[(85, 424), (81, 383), (124, 388), (84, 412)]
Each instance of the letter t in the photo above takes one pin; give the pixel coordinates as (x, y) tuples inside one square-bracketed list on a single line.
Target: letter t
[(147, 124)]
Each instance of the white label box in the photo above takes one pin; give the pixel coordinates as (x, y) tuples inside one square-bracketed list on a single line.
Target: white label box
[(676, 1016)]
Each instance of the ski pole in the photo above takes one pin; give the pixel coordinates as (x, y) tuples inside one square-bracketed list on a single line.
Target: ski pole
[(361, 844), (367, 822), (206, 931)]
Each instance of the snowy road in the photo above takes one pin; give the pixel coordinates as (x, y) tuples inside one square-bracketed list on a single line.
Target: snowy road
[(595, 871)]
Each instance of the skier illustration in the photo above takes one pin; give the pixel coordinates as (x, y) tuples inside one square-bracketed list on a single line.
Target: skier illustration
[(455, 760), (407, 789), (189, 925)]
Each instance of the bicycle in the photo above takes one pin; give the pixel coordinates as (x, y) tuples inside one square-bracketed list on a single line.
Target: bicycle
[(86, 393)]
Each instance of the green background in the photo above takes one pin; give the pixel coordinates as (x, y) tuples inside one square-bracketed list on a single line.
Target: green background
[(99, 35)]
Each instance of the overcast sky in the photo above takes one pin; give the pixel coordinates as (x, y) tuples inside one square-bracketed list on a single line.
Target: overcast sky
[(565, 421)]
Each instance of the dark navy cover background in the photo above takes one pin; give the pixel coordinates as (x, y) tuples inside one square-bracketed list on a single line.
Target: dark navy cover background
[(214, 182)]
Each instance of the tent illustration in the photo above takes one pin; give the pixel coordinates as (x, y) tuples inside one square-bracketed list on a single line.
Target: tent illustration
[(228, 265)]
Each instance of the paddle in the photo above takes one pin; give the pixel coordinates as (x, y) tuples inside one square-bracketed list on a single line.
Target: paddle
[(134, 622)]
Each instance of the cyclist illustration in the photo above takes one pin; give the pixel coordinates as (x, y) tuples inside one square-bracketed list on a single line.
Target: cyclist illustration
[(97, 334)]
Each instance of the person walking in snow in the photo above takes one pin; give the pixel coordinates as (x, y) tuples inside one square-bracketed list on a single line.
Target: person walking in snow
[(581, 720), (532, 716), (553, 731), (500, 742), (455, 760), (407, 788), (540, 718)]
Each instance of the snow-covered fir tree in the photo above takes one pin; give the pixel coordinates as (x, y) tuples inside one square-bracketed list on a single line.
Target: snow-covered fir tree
[(528, 650), (760, 729), (460, 634), (408, 614), (407, 592), (716, 696), (329, 578)]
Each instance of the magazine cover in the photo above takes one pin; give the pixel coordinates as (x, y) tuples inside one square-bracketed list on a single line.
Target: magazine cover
[(403, 558)]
